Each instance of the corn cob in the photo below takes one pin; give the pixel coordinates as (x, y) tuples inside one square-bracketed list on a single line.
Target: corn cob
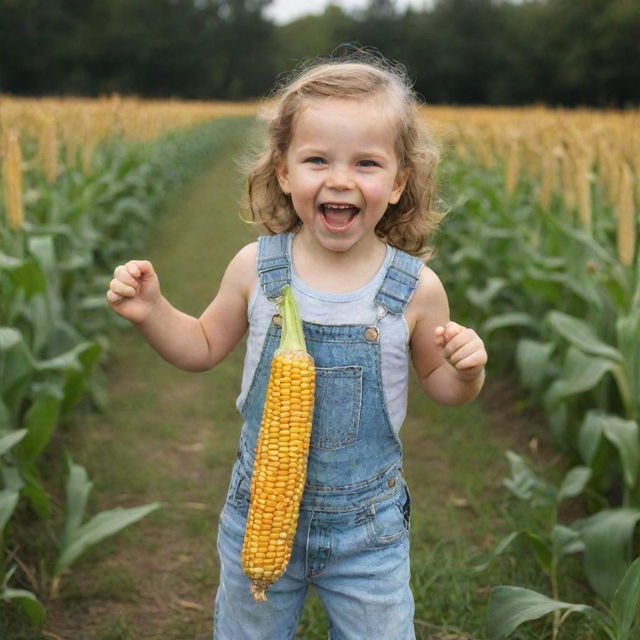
[(280, 466)]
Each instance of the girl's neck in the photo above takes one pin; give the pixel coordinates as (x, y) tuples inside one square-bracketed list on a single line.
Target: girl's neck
[(336, 271)]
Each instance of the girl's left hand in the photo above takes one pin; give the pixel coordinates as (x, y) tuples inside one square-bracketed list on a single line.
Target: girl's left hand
[(462, 348)]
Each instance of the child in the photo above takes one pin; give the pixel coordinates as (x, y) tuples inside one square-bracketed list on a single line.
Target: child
[(346, 186)]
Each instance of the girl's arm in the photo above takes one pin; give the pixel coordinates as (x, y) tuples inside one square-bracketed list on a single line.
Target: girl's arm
[(448, 358), (193, 344)]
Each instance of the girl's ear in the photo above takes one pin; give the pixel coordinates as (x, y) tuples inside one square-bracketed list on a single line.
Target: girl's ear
[(282, 173), (399, 184)]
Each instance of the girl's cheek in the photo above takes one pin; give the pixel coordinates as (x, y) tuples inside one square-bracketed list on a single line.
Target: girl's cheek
[(377, 191)]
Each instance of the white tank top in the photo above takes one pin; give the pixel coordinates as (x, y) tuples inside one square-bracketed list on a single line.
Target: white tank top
[(354, 307)]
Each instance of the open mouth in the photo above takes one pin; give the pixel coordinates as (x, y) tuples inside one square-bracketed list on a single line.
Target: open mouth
[(338, 216)]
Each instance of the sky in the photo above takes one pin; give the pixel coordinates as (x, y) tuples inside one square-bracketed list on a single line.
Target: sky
[(283, 11)]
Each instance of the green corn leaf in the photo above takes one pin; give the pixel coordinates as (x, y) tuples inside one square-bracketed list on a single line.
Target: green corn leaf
[(26, 275), (482, 298), (628, 330), (77, 382), (64, 361), (523, 481), (558, 417), (542, 550), (78, 488), (581, 373), (43, 249), (33, 490), (9, 338), (471, 254), (133, 208), (8, 440), (511, 319), (11, 478), (510, 606), (16, 369), (8, 502), (623, 434), (574, 483), (41, 320), (526, 485), (29, 603), (580, 334), (549, 263), (90, 303), (40, 422), (97, 529), (499, 549), (626, 601), (591, 434), (9, 263), (608, 539), (565, 541), (6, 421), (533, 358)]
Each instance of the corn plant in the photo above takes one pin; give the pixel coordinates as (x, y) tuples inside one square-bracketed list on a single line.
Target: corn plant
[(8, 501), (28, 602), (604, 539), (77, 537), (510, 607), (68, 227), (559, 302)]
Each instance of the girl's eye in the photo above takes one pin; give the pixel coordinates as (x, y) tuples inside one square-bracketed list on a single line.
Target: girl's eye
[(368, 163), (315, 160)]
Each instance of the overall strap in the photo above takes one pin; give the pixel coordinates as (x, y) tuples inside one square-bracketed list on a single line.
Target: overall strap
[(273, 264), (399, 282)]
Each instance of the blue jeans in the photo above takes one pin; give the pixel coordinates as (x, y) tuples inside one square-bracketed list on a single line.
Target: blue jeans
[(357, 560)]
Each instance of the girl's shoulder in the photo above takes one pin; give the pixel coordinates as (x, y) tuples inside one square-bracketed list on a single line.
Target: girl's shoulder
[(430, 288), (242, 269), (429, 298)]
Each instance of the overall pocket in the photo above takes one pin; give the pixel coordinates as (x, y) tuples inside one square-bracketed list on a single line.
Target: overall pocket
[(239, 487), (233, 515), (390, 523), (336, 414)]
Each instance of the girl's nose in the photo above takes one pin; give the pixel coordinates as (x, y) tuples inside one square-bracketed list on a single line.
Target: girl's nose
[(340, 178)]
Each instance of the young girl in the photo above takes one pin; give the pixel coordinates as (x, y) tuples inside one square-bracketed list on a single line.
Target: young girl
[(345, 187)]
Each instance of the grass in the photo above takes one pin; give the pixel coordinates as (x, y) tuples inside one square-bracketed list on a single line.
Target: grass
[(171, 436)]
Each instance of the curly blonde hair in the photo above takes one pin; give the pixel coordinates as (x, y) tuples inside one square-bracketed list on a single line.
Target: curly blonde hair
[(407, 225)]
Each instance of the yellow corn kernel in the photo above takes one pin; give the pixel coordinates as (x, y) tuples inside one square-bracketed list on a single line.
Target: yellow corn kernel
[(280, 466)]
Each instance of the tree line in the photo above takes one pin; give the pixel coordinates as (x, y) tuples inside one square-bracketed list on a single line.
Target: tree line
[(560, 52)]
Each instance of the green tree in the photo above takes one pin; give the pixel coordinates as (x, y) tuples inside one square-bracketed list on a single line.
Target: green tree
[(313, 36)]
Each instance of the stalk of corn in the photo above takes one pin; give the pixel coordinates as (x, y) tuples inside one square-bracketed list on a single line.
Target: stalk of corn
[(626, 232), (280, 467), (12, 179), (512, 168), (48, 147), (583, 186), (546, 178)]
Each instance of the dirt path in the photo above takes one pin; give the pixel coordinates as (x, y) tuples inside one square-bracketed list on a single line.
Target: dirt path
[(170, 436)]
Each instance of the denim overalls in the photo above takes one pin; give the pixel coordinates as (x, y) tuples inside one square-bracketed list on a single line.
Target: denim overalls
[(352, 541)]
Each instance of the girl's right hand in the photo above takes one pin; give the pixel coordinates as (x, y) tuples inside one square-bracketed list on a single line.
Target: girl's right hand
[(134, 290)]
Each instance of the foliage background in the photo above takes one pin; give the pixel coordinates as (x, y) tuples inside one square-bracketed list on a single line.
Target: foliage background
[(561, 52)]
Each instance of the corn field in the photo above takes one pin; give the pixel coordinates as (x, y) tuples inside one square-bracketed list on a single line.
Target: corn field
[(538, 251), (81, 183), (541, 244)]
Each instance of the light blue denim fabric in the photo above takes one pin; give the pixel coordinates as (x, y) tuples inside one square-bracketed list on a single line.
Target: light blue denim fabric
[(352, 541)]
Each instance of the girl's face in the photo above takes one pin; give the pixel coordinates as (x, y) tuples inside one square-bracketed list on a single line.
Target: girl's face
[(341, 170)]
